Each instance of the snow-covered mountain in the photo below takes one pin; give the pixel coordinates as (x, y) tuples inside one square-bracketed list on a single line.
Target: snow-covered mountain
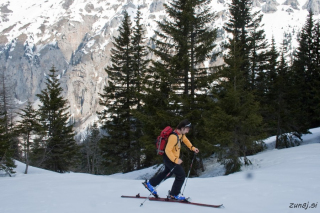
[(75, 36), (284, 181)]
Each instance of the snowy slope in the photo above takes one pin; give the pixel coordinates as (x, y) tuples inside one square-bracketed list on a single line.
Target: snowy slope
[(277, 179)]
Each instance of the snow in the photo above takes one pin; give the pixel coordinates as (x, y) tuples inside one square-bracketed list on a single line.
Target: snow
[(276, 24), (276, 180), (28, 17)]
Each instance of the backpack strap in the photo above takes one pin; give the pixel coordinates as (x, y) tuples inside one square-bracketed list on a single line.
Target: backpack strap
[(173, 133)]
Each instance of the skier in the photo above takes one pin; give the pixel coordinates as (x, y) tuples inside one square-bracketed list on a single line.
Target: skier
[(171, 160)]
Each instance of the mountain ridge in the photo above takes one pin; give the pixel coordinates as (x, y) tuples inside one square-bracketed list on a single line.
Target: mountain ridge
[(75, 36)]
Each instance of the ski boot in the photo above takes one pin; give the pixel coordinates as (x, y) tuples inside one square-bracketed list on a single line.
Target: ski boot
[(177, 197), (150, 188)]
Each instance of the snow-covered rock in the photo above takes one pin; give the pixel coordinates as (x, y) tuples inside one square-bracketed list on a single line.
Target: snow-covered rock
[(75, 36), (270, 6)]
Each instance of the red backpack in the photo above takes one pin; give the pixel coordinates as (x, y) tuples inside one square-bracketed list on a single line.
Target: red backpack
[(162, 139)]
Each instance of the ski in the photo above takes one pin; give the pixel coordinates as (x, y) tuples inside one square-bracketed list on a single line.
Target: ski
[(137, 196), (185, 202), (173, 201)]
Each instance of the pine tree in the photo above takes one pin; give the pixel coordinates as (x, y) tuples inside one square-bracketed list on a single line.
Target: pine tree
[(9, 148), (275, 97), (316, 77), (59, 146), (247, 30), (91, 159), (258, 50), (6, 161), (140, 65), (118, 98), (235, 118), (190, 41), (6, 99), (285, 124), (266, 90), (28, 128), (140, 61), (178, 81), (236, 121), (237, 26), (157, 111), (305, 71)]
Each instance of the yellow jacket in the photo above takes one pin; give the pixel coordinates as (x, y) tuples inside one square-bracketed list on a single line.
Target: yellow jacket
[(174, 145)]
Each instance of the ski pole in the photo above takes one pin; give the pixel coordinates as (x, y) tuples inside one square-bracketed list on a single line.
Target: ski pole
[(194, 156), (159, 184)]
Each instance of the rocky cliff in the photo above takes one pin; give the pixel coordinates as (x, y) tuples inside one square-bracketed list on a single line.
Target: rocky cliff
[(75, 36)]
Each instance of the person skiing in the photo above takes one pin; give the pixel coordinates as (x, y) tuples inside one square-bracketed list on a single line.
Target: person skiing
[(171, 159)]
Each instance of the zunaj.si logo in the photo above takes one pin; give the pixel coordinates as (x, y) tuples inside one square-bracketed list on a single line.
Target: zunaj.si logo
[(303, 205)]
